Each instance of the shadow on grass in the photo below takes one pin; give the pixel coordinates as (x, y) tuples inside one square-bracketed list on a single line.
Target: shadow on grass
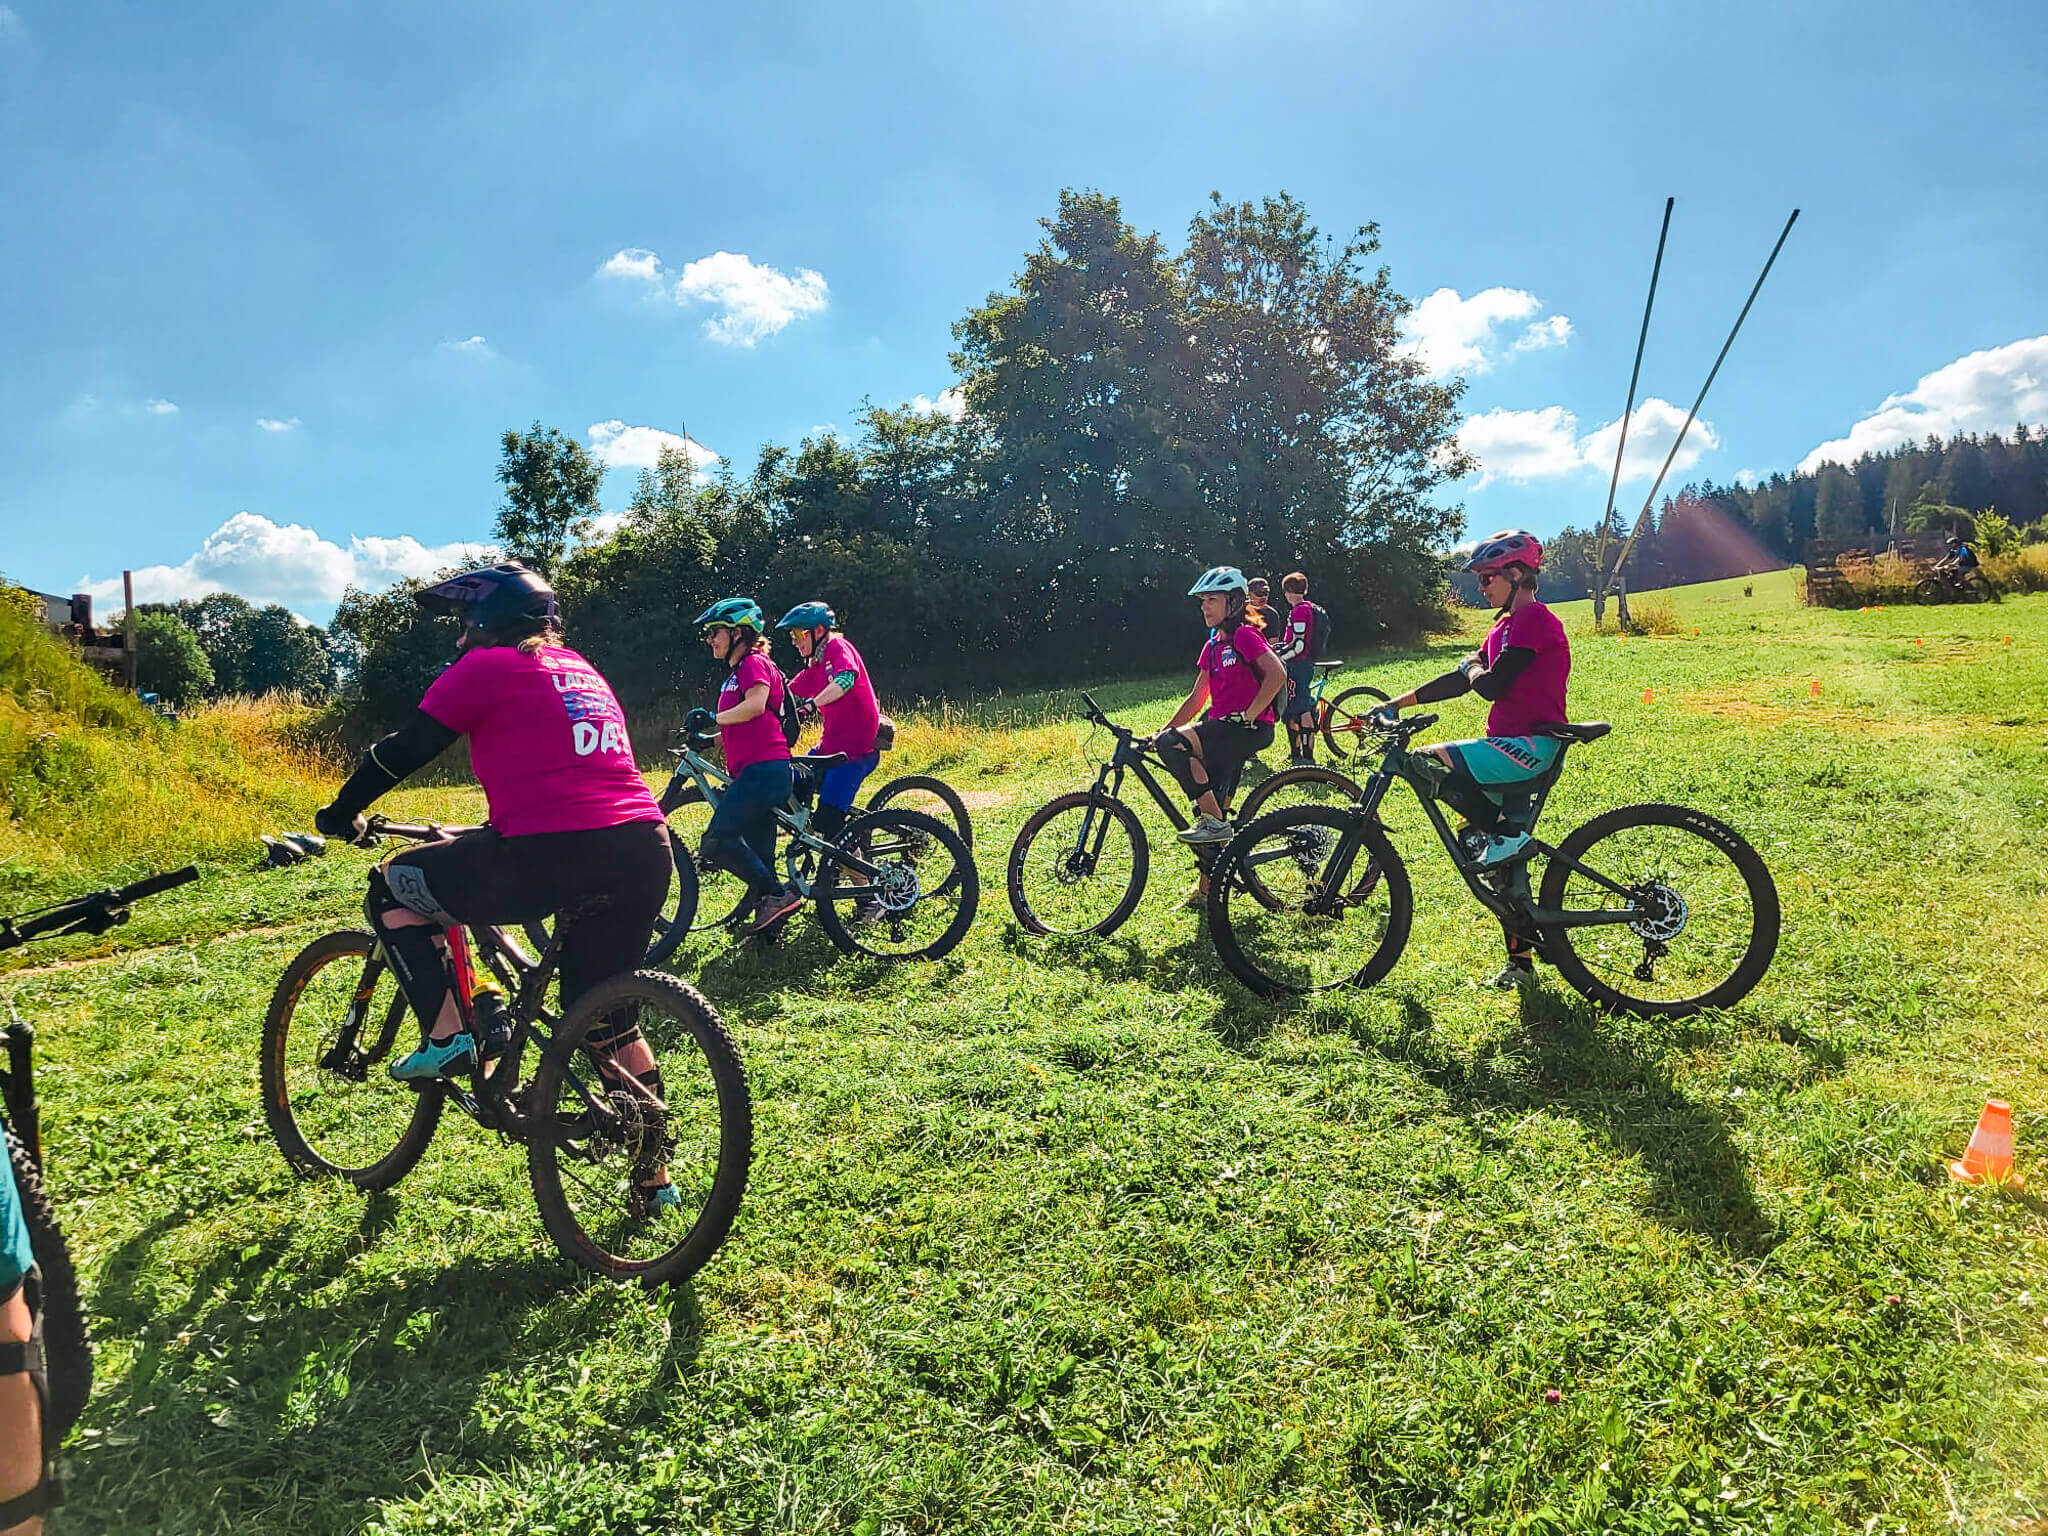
[(279, 1383)]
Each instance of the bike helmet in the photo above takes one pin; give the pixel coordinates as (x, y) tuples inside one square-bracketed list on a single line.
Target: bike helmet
[(1511, 546), (1220, 578), (501, 602), (733, 613), (808, 616)]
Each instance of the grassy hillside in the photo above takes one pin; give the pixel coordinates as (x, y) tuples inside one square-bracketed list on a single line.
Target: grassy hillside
[(1081, 1237)]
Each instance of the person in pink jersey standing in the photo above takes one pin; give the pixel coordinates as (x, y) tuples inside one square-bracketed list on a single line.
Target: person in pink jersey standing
[(741, 836), (574, 830), (1521, 667)]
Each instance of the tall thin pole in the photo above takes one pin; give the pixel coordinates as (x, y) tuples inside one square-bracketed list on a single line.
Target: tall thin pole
[(1627, 411), (128, 627), (1644, 516)]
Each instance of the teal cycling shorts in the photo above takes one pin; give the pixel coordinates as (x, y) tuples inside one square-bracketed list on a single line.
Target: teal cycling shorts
[(1501, 761), (16, 1258)]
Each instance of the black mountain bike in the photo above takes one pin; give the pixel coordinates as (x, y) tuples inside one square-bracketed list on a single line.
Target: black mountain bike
[(1955, 584), (67, 1345), (1656, 910), (1080, 863), (597, 1139)]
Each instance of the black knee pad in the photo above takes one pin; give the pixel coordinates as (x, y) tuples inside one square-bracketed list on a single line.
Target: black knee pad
[(418, 952), (828, 821)]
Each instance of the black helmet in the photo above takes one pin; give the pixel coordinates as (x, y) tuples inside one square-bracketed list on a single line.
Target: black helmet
[(503, 602)]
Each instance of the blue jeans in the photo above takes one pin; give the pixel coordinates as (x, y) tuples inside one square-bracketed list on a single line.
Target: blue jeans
[(842, 784), (741, 837)]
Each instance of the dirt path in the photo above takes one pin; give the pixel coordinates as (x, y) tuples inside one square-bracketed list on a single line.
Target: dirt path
[(150, 949)]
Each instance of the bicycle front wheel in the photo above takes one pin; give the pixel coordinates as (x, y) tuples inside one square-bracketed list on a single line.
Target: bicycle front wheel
[(1343, 719), (919, 902), (1298, 904), (1709, 911), (1297, 786), (1078, 866), (336, 1022), (605, 1138)]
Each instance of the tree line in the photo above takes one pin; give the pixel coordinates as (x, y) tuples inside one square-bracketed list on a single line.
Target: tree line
[(1706, 532), (1131, 416)]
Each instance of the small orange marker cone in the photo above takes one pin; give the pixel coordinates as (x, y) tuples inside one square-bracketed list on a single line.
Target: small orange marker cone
[(2008, 638), (1989, 1155), (1814, 688), (1646, 695), (1918, 641)]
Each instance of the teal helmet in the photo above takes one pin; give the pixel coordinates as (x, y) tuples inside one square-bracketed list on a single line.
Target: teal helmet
[(1219, 578), (808, 616), (734, 613)]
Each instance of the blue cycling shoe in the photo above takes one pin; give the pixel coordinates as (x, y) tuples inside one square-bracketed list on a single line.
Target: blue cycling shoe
[(661, 1198), (436, 1058)]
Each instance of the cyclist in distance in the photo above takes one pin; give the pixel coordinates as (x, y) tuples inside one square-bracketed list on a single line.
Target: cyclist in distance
[(834, 679), (1520, 668), (741, 836), (573, 826), (1960, 556), (1237, 678), (1296, 649)]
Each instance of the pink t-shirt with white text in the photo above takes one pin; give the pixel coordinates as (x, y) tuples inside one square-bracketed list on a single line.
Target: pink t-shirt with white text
[(547, 740), (758, 740), (1233, 671), (1537, 697), (852, 718)]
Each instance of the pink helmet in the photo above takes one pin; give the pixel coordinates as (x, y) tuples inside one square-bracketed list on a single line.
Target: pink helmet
[(1511, 546)]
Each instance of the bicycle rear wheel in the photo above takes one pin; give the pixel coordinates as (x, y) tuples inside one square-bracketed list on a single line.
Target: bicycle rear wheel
[(930, 796), (919, 903), (1294, 908), (1297, 786), (1078, 866), (67, 1340), (601, 1139), (1343, 719), (1710, 923), (335, 1023)]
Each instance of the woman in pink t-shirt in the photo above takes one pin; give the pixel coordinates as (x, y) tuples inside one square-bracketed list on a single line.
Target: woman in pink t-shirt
[(741, 836), (1237, 679), (1521, 668), (573, 824), (835, 680)]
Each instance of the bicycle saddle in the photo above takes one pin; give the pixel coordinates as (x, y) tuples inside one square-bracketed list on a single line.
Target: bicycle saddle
[(1323, 666), (818, 762), (1579, 731)]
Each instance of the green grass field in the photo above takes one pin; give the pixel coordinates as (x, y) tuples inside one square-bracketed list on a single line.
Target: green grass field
[(1081, 1237)]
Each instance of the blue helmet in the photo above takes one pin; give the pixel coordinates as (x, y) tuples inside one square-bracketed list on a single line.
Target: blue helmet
[(808, 616), (733, 613), (1220, 578)]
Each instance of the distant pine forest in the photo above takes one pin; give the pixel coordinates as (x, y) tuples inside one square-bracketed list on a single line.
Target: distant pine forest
[(1995, 486)]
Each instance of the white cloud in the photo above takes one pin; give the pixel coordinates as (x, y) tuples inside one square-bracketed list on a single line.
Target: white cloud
[(951, 402), (1451, 334), (1553, 331), (1748, 479), (269, 562), (618, 446), (1985, 391), (88, 408), (273, 424), (753, 300), (1546, 445), (155, 406), (13, 31), (469, 346)]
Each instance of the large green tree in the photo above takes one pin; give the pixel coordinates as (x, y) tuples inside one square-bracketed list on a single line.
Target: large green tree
[(169, 661), (551, 487)]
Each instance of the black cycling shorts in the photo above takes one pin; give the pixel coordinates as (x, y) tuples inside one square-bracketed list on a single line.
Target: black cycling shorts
[(611, 881), (1226, 748)]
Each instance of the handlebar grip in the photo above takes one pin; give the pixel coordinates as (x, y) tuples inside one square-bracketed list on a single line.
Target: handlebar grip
[(1421, 722), (156, 885)]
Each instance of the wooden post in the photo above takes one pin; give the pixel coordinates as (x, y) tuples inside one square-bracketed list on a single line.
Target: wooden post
[(128, 627)]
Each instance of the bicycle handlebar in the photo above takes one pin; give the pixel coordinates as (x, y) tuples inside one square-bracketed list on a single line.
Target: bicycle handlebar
[(90, 914), (413, 831)]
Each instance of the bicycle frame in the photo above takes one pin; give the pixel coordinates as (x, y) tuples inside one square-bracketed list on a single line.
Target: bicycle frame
[(692, 770), (1131, 755)]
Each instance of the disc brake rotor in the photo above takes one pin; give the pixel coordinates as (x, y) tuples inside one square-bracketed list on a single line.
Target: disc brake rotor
[(1664, 912), (897, 887)]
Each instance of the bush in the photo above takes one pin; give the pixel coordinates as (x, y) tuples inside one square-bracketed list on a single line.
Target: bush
[(1652, 616), (169, 661), (1995, 535)]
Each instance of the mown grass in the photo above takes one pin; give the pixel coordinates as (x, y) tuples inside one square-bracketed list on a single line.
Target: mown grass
[(1081, 1237)]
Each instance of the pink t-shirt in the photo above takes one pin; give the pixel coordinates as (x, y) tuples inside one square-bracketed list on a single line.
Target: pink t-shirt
[(758, 740), (852, 718), (1233, 671), (1537, 697), (547, 740), (1301, 624)]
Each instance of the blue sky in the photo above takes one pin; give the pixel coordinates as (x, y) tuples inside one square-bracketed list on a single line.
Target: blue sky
[(275, 278)]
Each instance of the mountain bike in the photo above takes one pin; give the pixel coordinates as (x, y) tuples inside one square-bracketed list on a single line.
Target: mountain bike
[(1950, 584), (895, 883), (596, 1137), (1079, 865), (1656, 910), (1341, 721), (67, 1342)]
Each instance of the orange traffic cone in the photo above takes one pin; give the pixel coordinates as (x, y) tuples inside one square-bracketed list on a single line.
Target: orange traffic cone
[(1648, 696), (1814, 688), (1989, 1155)]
